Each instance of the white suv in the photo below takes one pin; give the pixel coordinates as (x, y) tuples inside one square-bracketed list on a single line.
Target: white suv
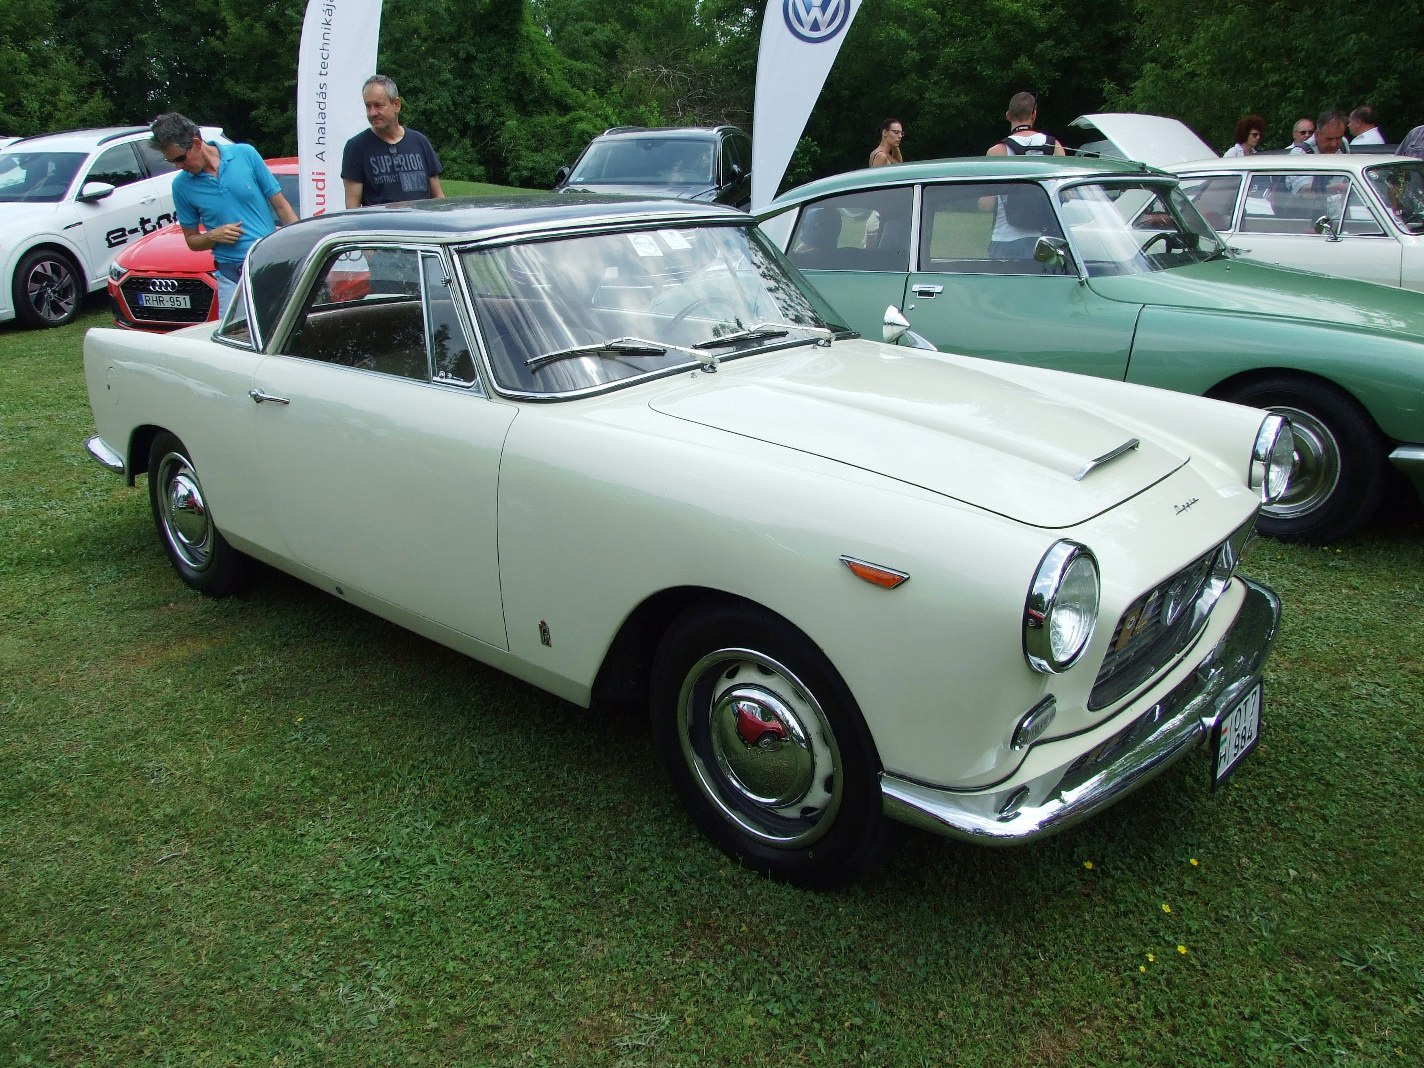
[(68, 203)]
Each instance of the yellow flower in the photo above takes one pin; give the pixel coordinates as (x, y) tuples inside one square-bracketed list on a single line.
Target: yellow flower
[(1194, 862), (1151, 958), (1142, 968), (1166, 907), (1182, 950), (1088, 864)]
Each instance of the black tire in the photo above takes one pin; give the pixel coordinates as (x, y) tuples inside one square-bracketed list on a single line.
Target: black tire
[(189, 536), (1340, 459), (48, 289), (766, 748)]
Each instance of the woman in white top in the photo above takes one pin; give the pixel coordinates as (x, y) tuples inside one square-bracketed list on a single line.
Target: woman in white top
[(1249, 131)]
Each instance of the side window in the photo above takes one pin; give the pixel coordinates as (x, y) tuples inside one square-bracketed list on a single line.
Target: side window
[(867, 231), (985, 228), (156, 162), (365, 312), (728, 162), (1291, 203), (449, 346), (235, 325), (1215, 198), (117, 165)]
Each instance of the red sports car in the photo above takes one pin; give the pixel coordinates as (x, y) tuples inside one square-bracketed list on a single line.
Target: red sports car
[(159, 283)]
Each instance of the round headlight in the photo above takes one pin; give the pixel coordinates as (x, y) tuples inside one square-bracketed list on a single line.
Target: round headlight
[(1062, 608), (1272, 458)]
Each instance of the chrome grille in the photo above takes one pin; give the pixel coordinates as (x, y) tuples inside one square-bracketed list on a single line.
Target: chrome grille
[(199, 292), (1163, 621)]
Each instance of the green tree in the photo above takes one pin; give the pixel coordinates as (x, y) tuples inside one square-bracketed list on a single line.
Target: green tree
[(48, 84)]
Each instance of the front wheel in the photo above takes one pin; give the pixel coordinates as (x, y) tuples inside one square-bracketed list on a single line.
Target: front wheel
[(195, 547), (1340, 465), (766, 748), (47, 289)]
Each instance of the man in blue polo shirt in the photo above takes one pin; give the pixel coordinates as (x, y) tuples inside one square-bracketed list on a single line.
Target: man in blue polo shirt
[(225, 188)]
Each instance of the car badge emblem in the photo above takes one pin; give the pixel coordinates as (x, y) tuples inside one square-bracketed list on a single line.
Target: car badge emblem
[(816, 21), (163, 285), (1185, 505)]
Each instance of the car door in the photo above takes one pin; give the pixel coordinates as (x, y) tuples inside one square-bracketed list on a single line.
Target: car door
[(140, 204), (1278, 226), (379, 451), (979, 290)]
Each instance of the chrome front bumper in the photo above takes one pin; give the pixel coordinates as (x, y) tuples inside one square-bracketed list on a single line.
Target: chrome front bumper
[(1171, 728), (100, 452)]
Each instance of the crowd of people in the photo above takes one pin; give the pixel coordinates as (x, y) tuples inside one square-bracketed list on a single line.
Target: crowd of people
[(1330, 132)]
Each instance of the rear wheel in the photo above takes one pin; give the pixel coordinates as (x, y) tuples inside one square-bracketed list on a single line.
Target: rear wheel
[(766, 747), (195, 547), (48, 289), (1340, 462)]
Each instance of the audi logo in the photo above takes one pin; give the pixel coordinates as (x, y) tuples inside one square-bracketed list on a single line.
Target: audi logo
[(163, 285)]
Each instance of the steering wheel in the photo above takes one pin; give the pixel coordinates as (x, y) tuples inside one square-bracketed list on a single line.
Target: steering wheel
[(1167, 237), (704, 302)]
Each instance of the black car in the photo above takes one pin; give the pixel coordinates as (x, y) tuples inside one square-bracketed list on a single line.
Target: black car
[(710, 163)]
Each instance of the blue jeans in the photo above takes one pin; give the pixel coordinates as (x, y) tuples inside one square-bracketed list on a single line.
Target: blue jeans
[(227, 278)]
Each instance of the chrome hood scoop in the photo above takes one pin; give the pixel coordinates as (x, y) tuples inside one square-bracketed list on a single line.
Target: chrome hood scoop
[(949, 427)]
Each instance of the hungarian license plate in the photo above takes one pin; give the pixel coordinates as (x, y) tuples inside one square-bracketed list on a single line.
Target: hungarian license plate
[(165, 300), (1236, 734)]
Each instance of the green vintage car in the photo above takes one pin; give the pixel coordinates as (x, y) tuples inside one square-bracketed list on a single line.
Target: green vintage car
[(1105, 267)]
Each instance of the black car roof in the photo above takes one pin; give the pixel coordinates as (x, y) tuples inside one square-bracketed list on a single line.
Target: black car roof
[(276, 261)]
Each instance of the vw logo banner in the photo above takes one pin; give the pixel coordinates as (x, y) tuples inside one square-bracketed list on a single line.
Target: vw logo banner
[(799, 42), (337, 54)]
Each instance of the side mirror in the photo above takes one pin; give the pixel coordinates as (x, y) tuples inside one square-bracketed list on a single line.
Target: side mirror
[(1324, 226), (561, 176), (94, 191), (1051, 250), (895, 326)]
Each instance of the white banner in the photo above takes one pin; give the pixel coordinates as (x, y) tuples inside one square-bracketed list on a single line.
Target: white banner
[(337, 54), (799, 42)]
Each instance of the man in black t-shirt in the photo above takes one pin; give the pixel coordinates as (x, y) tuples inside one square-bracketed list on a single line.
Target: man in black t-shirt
[(388, 163)]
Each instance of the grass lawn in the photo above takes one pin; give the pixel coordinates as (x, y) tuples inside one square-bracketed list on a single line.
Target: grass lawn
[(275, 831)]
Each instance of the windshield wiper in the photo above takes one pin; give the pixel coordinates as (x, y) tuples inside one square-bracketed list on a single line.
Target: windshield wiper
[(763, 332), (616, 348)]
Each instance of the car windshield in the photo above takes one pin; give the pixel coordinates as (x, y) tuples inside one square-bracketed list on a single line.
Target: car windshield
[(41, 177), (580, 313), (646, 161), (1401, 187), (1134, 227)]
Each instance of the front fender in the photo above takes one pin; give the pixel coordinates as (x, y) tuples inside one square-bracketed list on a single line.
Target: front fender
[(1194, 350)]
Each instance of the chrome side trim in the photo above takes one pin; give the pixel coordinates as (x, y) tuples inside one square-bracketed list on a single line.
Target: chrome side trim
[(105, 456), (1408, 458), (1168, 730)]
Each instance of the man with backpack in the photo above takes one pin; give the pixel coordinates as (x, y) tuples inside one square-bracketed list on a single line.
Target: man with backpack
[(1023, 139)]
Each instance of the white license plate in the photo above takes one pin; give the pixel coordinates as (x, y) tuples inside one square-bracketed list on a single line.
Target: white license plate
[(1236, 734), (165, 300)]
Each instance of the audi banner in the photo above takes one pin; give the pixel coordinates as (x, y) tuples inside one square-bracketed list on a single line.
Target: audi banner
[(337, 54), (799, 41)]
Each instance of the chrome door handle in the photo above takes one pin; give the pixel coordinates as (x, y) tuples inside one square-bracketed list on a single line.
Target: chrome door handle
[(259, 397), (927, 291)]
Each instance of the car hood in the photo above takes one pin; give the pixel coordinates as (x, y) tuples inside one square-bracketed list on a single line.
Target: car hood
[(163, 252), (1246, 288), (1152, 139), (947, 425), (678, 190)]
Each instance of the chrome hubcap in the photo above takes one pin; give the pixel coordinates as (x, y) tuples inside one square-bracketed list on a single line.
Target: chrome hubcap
[(1316, 473), (186, 523), (760, 747)]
